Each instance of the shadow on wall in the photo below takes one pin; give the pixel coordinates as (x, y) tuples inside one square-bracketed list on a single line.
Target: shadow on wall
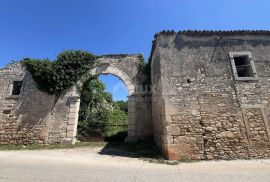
[(32, 114)]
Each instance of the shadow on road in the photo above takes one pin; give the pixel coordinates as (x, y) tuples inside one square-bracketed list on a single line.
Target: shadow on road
[(145, 148)]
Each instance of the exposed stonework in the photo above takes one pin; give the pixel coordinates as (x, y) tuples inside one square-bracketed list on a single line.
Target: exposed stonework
[(210, 97), (36, 117), (204, 111)]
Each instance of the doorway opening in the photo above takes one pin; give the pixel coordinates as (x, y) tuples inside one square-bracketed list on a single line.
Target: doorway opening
[(103, 114)]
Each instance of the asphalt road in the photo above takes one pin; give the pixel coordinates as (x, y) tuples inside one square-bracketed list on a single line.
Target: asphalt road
[(86, 165)]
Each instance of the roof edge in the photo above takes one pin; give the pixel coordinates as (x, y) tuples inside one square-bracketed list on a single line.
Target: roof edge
[(214, 32), (205, 33), (120, 55)]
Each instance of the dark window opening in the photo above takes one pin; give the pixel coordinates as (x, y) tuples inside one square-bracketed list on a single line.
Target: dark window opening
[(243, 66), (17, 86), (267, 65)]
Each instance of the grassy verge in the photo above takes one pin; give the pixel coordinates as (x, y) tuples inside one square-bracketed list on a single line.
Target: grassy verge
[(52, 146)]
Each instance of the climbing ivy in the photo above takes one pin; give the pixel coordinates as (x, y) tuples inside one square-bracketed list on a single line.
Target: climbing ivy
[(145, 68), (56, 76)]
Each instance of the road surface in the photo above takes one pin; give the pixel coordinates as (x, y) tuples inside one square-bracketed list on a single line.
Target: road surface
[(87, 165)]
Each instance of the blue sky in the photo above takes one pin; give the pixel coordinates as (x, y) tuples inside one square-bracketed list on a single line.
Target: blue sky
[(115, 86), (43, 28)]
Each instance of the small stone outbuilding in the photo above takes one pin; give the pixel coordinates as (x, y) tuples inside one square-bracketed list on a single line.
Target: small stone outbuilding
[(209, 97)]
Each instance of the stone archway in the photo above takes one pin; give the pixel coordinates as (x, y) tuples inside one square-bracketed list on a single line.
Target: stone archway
[(105, 69), (125, 67), (109, 69), (36, 116)]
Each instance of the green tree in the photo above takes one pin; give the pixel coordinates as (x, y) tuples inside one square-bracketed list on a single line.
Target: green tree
[(99, 115), (123, 105)]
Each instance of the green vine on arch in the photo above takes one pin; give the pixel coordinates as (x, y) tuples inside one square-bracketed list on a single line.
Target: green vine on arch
[(56, 76), (145, 68)]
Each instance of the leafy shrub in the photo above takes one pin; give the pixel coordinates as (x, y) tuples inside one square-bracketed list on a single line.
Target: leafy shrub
[(117, 123), (123, 105), (56, 76)]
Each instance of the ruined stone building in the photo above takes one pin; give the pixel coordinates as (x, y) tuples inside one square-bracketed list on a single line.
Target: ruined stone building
[(209, 99)]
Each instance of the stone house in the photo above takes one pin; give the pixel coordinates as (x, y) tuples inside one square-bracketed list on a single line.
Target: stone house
[(212, 98), (209, 97)]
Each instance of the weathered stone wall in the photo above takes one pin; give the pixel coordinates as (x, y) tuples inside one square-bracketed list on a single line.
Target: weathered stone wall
[(158, 107), (31, 117), (36, 117), (209, 115), (196, 109), (140, 108)]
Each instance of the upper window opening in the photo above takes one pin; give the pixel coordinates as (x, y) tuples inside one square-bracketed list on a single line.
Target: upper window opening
[(267, 66), (17, 86), (243, 66)]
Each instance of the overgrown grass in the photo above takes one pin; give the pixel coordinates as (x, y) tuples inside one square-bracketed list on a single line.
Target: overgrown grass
[(52, 146)]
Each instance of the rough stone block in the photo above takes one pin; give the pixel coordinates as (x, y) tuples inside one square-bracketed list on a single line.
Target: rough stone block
[(73, 115), (172, 130), (71, 127), (70, 134)]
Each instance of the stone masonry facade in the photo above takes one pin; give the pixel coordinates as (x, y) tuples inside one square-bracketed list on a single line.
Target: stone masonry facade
[(212, 94), (209, 97)]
